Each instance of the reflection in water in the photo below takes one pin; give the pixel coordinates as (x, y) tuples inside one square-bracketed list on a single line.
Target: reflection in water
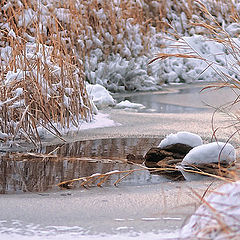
[(105, 148), (23, 172)]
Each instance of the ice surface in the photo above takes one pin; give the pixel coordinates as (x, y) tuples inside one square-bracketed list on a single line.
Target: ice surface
[(219, 218), (210, 153), (188, 138)]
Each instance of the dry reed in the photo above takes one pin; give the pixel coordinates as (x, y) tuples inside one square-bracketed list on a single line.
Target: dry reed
[(46, 46)]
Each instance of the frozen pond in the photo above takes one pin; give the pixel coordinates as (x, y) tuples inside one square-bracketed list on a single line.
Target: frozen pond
[(37, 172), (183, 99)]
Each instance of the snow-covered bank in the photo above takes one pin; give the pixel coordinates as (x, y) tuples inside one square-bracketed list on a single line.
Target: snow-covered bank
[(99, 120)]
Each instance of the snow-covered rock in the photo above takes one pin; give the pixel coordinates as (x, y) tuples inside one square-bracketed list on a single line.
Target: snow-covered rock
[(210, 153), (187, 138), (219, 218), (100, 95), (128, 104)]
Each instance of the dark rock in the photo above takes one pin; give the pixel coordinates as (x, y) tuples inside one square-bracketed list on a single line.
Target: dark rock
[(167, 156), (156, 154), (178, 148)]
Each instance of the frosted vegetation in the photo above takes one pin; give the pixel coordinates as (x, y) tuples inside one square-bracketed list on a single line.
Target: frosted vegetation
[(49, 48), (218, 217)]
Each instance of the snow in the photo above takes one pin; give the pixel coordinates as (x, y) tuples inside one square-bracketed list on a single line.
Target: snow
[(233, 29), (18, 230), (100, 95), (100, 120), (219, 218), (187, 138), (3, 135), (11, 33), (128, 104), (11, 76), (210, 153)]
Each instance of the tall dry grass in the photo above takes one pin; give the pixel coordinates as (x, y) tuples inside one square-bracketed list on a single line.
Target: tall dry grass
[(45, 46), (42, 80)]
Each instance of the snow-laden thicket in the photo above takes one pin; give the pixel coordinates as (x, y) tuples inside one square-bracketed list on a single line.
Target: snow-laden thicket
[(48, 48), (141, 35), (116, 39)]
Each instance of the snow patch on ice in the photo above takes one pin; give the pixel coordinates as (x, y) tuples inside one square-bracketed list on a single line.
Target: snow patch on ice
[(100, 120), (128, 104), (120, 236), (187, 138), (16, 229)]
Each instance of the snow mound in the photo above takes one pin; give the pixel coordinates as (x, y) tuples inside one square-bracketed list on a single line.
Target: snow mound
[(221, 213), (187, 138), (128, 104), (100, 96), (210, 153)]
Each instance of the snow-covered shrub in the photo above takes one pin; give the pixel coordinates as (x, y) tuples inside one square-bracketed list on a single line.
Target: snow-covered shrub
[(115, 39)]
